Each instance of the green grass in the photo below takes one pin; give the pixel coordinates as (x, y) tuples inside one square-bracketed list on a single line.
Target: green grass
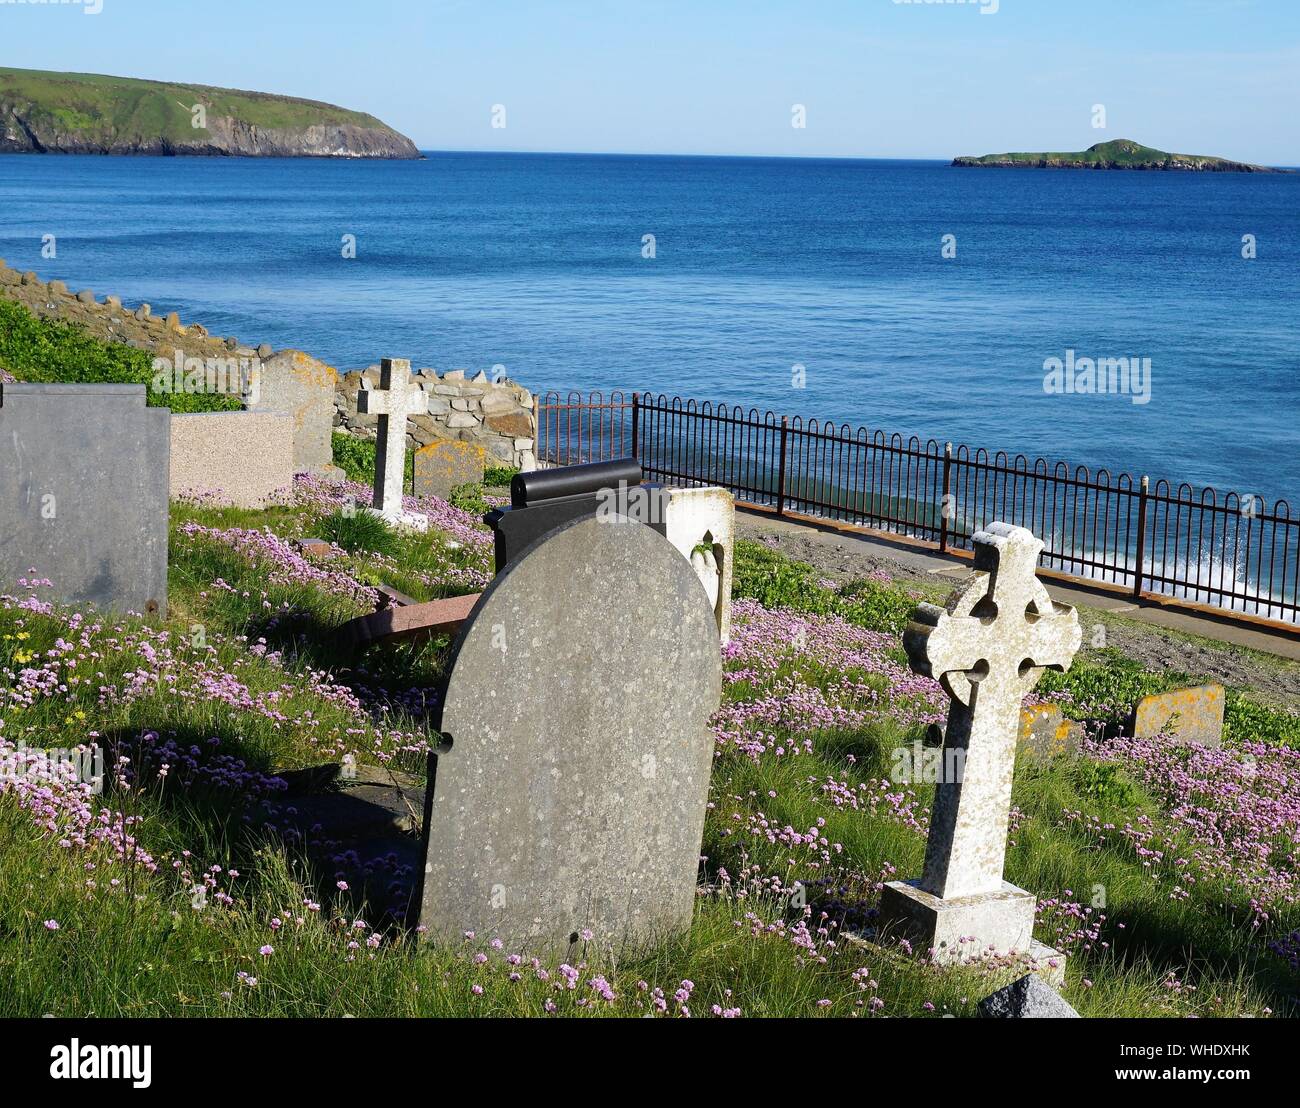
[(358, 532), (776, 581), (52, 350), (356, 458), (143, 949)]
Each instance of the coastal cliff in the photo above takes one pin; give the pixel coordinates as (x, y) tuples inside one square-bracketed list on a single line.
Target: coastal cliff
[(81, 113), (1117, 154)]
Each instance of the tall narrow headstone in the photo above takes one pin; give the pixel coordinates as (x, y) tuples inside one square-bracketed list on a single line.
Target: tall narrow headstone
[(397, 398), (83, 494), (987, 647), (571, 791)]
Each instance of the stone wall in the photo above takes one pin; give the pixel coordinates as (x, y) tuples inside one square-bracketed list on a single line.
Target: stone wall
[(109, 320), (497, 415)]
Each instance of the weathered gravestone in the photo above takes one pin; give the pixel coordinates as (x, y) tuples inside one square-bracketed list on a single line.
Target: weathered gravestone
[(443, 465), (701, 523), (83, 493), (987, 647), (1187, 715), (397, 398), (572, 788), (293, 382), (1045, 733)]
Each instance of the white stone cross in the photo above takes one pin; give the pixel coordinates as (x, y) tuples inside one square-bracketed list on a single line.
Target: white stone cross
[(988, 647), (396, 398)]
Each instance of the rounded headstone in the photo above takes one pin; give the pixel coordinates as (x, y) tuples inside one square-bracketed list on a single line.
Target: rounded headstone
[(573, 791)]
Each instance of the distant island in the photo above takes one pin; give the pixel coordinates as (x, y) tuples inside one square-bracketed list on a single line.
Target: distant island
[(84, 113), (1117, 154)]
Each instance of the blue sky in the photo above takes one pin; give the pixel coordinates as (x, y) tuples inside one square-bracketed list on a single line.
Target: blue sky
[(877, 78)]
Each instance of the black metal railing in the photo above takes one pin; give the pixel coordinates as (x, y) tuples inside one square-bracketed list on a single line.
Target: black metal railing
[(1223, 551)]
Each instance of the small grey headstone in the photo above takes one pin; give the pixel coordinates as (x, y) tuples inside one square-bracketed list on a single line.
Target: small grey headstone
[(573, 792), (83, 493), (1029, 998)]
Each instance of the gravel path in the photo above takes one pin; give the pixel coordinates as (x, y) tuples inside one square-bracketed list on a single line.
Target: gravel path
[(842, 558)]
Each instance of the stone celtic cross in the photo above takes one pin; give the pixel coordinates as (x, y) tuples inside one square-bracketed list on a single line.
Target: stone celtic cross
[(396, 398), (988, 647)]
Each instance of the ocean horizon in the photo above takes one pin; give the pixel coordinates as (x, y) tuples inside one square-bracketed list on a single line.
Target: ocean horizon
[(816, 287)]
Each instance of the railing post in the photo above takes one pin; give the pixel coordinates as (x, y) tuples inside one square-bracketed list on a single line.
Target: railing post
[(780, 468), (539, 444), (636, 426), (944, 505), (1139, 568)]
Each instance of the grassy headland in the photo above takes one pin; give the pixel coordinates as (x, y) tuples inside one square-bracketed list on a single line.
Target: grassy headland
[(89, 113)]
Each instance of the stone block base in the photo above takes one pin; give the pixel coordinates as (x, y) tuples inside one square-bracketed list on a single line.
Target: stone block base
[(959, 928), (409, 521), (1048, 963)]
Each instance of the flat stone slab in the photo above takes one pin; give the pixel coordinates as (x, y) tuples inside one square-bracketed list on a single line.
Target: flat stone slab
[(83, 494), (399, 622), (572, 791), (1029, 998), (1192, 715)]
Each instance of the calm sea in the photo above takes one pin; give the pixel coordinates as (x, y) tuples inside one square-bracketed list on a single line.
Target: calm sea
[(535, 263)]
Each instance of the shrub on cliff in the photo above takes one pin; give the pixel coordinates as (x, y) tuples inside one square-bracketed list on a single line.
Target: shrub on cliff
[(52, 350)]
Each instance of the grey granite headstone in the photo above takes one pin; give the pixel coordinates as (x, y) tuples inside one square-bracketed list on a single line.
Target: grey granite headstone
[(83, 493), (572, 793), (1029, 998)]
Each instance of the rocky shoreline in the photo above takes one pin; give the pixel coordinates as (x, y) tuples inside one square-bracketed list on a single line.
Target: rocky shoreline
[(222, 138)]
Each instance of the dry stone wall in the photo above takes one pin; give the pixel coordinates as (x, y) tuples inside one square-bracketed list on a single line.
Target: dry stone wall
[(498, 415), (109, 320)]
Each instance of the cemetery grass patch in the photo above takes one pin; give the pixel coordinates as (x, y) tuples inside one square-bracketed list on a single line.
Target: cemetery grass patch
[(776, 581), (806, 821)]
